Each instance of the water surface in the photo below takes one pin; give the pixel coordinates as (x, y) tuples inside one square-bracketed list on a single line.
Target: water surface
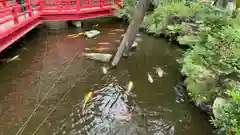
[(51, 63)]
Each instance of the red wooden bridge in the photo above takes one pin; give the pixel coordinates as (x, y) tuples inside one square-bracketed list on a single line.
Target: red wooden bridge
[(16, 19)]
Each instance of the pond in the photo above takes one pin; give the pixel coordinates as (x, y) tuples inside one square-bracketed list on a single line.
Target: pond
[(40, 92)]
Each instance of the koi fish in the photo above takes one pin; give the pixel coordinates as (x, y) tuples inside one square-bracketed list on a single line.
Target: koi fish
[(71, 35), (100, 49), (118, 41), (87, 98), (159, 72), (75, 35), (95, 26), (105, 70), (129, 87), (104, 43), (150, 79), (116, 30), (112, 33), (135, 44), (14, 58)]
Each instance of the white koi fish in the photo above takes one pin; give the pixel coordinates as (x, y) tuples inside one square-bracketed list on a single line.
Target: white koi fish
[(150, 79), (129, 87), (14, 58), (104, 70), (160, 72)]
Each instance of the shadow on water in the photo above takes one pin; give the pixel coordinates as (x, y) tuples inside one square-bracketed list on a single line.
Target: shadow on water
[(52, 66)]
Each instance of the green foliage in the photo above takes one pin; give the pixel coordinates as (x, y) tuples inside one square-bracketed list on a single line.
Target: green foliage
[(165, 14), (128, 7), (213, 56), (230, 119), (127, 10), (216, 54)]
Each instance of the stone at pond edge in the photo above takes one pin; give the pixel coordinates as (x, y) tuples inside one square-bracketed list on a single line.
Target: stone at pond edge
[(206, 107), (92, 33), (188, 40), (217, 105), (77, 24), (104, 57)]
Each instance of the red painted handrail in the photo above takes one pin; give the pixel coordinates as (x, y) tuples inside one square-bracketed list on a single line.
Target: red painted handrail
[(15, 16)]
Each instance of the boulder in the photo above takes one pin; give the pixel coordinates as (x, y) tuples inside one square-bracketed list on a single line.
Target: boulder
[(218, 103), (231, 6), (92, 33), (103, 57)]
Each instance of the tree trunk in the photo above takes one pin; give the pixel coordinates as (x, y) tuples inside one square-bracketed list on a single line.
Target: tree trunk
[(132, 30)]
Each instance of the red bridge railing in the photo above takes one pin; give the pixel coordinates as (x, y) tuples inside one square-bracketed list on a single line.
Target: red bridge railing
[(18, 18)]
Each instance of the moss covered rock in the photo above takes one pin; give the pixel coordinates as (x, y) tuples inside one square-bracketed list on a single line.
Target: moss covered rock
[(219, 102)]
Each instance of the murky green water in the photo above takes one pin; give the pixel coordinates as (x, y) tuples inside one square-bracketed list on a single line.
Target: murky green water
[(52, 66)]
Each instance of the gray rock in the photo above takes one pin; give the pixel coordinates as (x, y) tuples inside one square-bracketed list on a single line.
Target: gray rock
[(206, 107), (92, 33), (217, 105), (104, 57)]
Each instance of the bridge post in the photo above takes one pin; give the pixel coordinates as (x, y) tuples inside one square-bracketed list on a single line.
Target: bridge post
[(78, 5), (101, 3), (28, 7), (132, 30)]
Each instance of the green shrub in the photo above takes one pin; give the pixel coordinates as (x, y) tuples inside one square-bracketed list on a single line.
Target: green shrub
[(213, 56), (230, 117), (127, 10), (164, 15)]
